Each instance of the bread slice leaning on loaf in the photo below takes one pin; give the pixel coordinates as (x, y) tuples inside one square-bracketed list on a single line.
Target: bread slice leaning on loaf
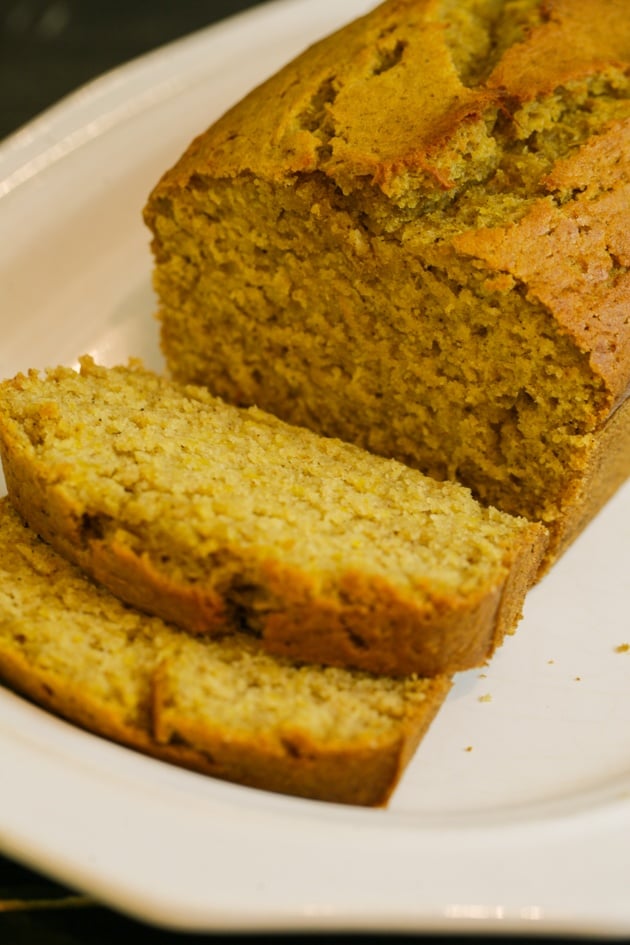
[(215, 518), (222, 707), (415, 237)]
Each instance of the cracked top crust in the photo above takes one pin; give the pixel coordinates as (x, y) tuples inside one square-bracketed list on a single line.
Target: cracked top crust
[(574, 256), (422, 103), (389, 91)]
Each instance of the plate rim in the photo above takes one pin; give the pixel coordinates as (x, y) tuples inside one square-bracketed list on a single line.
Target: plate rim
[(57, 132)]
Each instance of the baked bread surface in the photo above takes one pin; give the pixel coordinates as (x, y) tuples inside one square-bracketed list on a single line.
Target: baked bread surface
[(221, 707), (213, 517), (414, 237)]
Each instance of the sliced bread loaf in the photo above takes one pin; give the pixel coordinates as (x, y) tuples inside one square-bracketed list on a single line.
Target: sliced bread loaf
[(222, 707), (215, 517), (415, 237)]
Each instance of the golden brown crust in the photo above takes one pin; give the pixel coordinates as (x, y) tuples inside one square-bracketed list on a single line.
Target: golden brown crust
[(364, 777), (381, 634), (572, 253), (575, 39), (608, 468)]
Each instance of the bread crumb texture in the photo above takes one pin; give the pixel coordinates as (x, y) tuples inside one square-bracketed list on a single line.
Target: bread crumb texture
[(216, 516), (414, 237), (223, 706)]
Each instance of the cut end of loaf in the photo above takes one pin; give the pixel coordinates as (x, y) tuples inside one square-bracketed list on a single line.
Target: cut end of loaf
[(419, 245)]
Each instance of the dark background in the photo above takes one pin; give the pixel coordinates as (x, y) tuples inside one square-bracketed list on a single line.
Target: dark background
[(47, 49), (50, 47)]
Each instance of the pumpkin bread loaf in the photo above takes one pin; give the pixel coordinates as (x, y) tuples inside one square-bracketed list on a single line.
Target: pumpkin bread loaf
[(415, 237), (222, 707), (213, 517)]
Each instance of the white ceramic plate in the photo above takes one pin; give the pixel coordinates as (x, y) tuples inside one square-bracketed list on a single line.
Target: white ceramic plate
[(515, 813)]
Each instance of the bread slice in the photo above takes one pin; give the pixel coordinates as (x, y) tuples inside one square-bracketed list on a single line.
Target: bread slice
[(415, 237), (215, 517), (223, 707)]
